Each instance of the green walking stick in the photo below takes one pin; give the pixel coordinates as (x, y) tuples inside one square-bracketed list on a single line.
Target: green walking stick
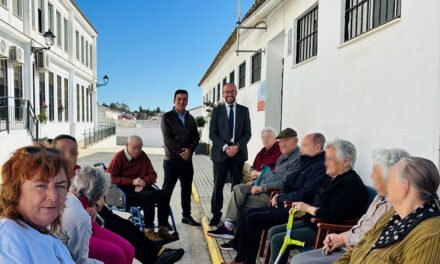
[(287, 240)]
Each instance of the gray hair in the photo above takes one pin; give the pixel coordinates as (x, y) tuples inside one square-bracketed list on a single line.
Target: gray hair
[(422, 174), (318, 139), (344, 150), (93, 183), (135, 138), (270, 130), (386, 158)]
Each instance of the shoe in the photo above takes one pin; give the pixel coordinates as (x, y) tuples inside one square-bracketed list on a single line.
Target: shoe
[(227, 246), (169, 255), (222, 232), (165, 235), (215, 220), (190, 221), (153, 236)]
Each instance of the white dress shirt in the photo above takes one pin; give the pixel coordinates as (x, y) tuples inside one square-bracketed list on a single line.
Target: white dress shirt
[(228, 109)]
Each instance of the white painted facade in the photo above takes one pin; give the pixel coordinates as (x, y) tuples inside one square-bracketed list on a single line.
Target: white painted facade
[(70, 66), (378, 90)]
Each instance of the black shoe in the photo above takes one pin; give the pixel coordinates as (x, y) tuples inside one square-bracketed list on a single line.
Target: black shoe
[(222, 232), (227, 246), (170, 256), (215, 220), (190, 221)]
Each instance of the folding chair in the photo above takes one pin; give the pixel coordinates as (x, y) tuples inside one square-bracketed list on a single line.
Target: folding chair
[(116, 199)]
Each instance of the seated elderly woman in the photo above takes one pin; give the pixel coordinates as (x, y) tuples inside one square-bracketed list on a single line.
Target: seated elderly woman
[(87, 240), (268, 155), (35, 183), (335, 245), (411, 232), (342, 196), (146, 251)]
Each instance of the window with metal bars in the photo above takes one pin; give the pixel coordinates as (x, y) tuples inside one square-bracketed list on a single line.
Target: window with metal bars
[(213, 94), (218, 92), (256, 67), (42, 90), (78, 103), (66, 100), (51, 97), (60, 99), (232, 77), (83, 104), (242, 75), (307, 35), (363, 15)]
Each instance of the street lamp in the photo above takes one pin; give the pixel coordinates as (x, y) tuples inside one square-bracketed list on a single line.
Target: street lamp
[(105, 78), (49, 38)]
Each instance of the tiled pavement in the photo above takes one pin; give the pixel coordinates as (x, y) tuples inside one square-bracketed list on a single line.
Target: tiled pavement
[(203, 178)]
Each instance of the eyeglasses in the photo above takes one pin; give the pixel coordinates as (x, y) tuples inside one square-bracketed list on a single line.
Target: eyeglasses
[(33, 150), (230, 92)]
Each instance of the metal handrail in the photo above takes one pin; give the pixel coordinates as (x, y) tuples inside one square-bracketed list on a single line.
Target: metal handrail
[(96, 134)]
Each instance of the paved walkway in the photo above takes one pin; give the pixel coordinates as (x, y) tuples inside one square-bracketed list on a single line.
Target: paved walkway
[(191, 238)]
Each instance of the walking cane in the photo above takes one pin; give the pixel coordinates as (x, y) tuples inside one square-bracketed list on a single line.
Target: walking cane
[(287, 240)]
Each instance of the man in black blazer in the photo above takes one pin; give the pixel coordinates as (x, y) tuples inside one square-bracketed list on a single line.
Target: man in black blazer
[(229, 131), (180, 137)]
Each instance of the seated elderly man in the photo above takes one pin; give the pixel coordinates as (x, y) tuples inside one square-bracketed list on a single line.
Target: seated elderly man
[(341, 196), (251, 196), (132, 171), (335, 245), (300, 185)]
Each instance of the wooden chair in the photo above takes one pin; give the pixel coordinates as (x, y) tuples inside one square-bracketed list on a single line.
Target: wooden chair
[(325, 228), (265, 231)]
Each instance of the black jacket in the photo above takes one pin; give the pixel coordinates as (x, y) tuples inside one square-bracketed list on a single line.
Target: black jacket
[(342, 198), (302, 185), (177, 136), (219, 132)]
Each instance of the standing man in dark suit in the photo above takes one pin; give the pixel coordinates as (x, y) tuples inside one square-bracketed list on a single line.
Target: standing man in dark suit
[(229, 131), (181, 137)]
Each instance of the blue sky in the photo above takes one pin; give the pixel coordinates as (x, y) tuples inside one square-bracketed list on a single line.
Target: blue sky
[(151, 48)]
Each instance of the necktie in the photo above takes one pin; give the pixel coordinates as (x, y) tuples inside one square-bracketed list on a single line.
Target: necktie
[(231, 120)]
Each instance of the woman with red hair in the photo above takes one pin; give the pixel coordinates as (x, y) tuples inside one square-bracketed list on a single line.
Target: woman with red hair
[(34, 187)]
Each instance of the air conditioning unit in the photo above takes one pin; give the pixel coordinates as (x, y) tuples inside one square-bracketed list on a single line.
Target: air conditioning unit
[(16, 55), (42, 61), (4, 49)]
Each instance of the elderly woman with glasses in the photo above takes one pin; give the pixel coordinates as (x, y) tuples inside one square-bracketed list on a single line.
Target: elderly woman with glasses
[(87, 241), (411, 232), (35, 183)]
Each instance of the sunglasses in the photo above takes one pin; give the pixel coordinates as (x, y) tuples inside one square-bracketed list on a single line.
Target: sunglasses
[(33, 150)]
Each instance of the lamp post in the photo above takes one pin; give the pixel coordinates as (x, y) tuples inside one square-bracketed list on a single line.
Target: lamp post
[(49, 38), (105, 78)]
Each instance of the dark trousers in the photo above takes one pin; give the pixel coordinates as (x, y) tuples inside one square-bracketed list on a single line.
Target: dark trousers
[(179, 170), (221, 169), (252, 223), (145, 250), (147, 199)]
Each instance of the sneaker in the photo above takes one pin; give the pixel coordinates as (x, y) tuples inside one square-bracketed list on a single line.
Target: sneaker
[(165, 235), (153, 236), (169, 255), (227, 246), (222, 232)]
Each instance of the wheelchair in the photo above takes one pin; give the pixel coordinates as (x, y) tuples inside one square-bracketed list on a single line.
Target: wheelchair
[(116, 200)]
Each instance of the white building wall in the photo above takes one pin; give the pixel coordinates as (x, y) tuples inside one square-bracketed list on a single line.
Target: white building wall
[(379, 90), (23, 32)]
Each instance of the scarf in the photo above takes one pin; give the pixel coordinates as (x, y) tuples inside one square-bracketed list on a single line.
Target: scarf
[(397, 229)]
